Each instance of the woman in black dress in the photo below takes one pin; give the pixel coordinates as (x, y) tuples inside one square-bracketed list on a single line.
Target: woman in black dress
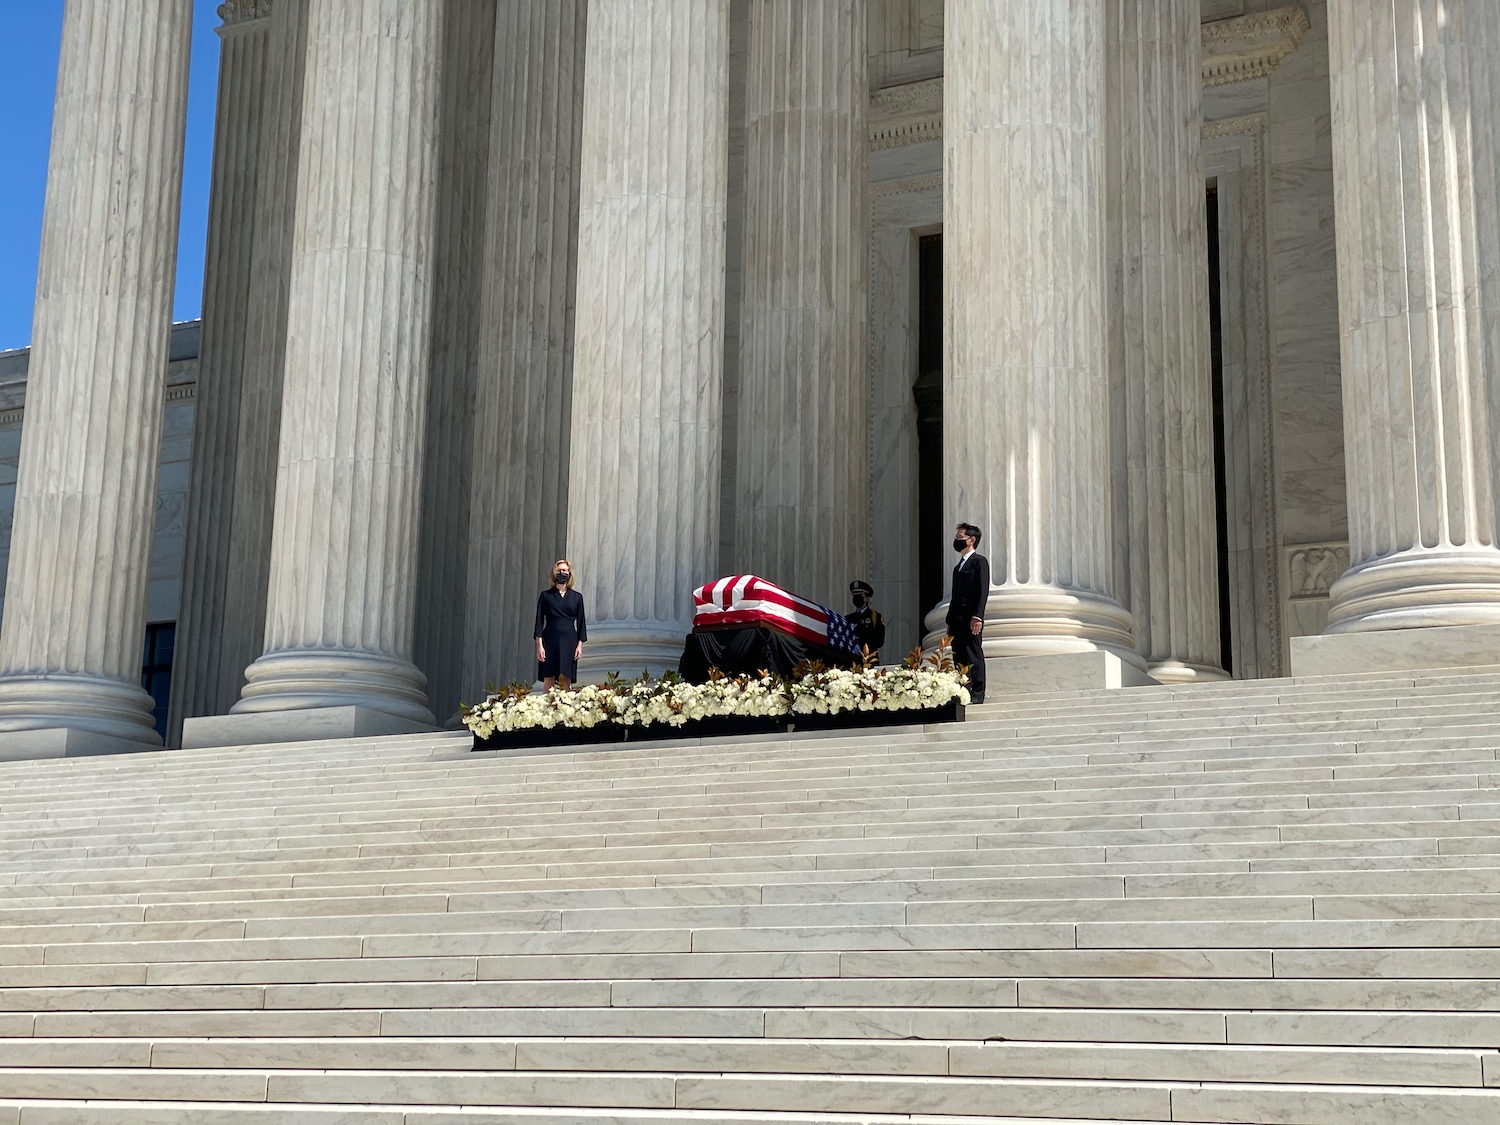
[(560, 628)]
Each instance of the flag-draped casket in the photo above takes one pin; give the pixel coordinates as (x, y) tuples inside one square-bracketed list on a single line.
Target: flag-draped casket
[(744, 623)]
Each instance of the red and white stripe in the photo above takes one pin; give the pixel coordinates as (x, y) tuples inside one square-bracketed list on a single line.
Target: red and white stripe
[(745, 600)]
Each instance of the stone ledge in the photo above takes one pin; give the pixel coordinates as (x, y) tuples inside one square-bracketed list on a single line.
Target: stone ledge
[(63, 742), (1396, 650), (1067, 671), (302, 725)]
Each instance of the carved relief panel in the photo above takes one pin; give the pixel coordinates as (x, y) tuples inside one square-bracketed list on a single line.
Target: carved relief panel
[(1309, 570)]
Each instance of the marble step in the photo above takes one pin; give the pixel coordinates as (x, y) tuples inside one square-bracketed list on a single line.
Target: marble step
[(847, 852), (1289, 1028), (1355, 964), (1459, 935), (1377, 691), (644, 778), (1058, 1059), (156, 879), (251, 756), (993, 792), (774, 785), (1095, 923), (1470, 782), (1367, 1028), (56, 800), (1060, 1098), (1097, 792), (1119, 906), (1203, 992), (138, 1112), (301, 773), (140, 922), (603, 863), (258, 824), (30, 903)]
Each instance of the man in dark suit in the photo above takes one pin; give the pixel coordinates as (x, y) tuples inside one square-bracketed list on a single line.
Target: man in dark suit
[(971, 590)]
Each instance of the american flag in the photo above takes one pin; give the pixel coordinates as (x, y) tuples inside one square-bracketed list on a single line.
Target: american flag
[(745, 600)]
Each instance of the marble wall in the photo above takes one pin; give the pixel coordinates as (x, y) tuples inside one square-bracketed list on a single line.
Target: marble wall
[(172, 487), (906, 41), (1302, 308)]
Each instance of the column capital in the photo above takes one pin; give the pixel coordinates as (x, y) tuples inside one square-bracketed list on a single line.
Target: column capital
[(237, 12)]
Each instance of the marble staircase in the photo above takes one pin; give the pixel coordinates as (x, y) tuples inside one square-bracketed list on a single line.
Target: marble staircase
[(1273, 901)]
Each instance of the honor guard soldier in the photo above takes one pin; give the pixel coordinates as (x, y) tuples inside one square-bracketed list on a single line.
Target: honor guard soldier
[(869, 626)]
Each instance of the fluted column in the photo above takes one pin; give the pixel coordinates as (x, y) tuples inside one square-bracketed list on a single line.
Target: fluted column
[(802, 478), (518, 513), (245, 100), (1026, 423), (343, 552), (457, 312), (1163, 444), (75, 606), (242, 635), (1416, 135), (643, 504)]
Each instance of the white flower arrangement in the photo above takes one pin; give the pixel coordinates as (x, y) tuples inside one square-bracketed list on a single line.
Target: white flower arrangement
[(921, 683)]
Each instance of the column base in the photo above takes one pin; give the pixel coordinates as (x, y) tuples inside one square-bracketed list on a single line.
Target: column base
[(1418, 589), (1068, 671), (1033, 621), (1182, 672), (629, 649), (311, 724), (56, 716), (306, 680), (1396, 650)]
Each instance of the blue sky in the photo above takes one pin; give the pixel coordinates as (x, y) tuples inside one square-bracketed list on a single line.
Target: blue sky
[(30, 31)]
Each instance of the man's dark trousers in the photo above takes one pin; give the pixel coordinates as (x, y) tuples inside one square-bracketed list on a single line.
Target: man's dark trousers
[(971, 592)]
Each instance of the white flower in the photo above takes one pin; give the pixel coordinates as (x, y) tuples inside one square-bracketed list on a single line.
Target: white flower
[(648, 702)]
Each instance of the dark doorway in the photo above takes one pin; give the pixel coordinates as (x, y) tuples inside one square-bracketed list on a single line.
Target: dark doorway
[(928, 393), (1221, 476), (156, 669)]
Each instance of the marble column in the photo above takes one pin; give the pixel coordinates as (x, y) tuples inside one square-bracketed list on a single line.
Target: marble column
[(518, 512), (75, 606), (343, 550), (242, 632), (1159, 363), (457, 312), (643, 491), (802, 475), (245, 100), (1026, 392), (1416, 147)]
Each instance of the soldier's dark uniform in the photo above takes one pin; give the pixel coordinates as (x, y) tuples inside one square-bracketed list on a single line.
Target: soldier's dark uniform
[(869, 626)]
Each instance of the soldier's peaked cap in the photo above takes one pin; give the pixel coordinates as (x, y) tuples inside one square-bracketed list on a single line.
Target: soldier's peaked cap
[(860, 586)]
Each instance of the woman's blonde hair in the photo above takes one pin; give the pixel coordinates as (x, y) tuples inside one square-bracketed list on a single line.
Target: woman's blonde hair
[(571, 575)]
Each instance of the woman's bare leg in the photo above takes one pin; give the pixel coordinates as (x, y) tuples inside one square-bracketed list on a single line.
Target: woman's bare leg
[(566, 683), (547, 682)]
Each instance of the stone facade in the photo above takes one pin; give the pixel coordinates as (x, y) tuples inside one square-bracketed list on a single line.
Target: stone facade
[(675, 305)]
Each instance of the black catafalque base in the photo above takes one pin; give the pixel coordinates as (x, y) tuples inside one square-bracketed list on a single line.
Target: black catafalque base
[(610, 734), (748, 650)]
